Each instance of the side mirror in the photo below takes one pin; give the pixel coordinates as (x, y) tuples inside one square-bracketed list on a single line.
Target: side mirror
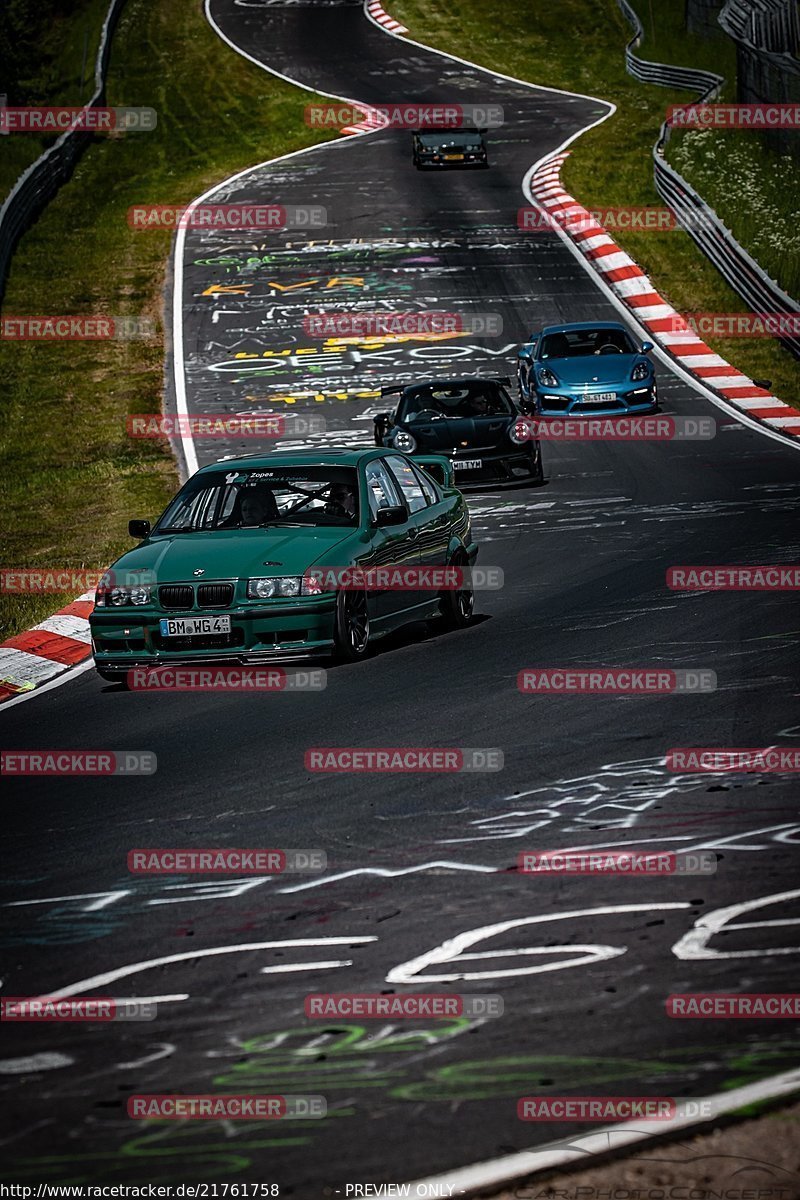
[(766, 384), (139, 529), (647, 347), (394, 515)]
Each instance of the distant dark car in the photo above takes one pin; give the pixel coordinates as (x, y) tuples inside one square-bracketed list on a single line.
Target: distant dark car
[(450, 148), (473, 422)]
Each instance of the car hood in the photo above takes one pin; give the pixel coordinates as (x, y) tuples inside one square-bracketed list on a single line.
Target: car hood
[(593, 369), (233, 553), (451, 432)]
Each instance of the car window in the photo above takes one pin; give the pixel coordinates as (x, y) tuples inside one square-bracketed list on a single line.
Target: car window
[(432, 402), (428, 489), (381, 487), (575, 343), (253, 496), (410, 483)]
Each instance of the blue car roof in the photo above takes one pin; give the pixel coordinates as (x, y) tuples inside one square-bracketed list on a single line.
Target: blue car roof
[(583, 325)]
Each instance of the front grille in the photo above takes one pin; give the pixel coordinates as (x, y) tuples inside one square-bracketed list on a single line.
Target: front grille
[(214, 595), (176, 596)]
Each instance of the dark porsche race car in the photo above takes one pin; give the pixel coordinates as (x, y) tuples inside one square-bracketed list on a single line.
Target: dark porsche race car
[(474, 422), (450, 148)]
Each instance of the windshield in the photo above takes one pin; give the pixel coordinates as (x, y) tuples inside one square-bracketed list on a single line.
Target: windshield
[(470, 139), (575, 343), (476, 399), (259, 496)]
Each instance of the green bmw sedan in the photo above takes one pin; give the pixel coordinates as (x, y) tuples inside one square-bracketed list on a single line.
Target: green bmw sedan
[(288, 555)]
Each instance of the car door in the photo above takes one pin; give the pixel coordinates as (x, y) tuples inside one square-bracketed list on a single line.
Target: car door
[(392, 545), (429, 517)]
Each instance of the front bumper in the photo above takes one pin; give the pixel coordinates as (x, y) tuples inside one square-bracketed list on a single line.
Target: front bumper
[(472, 160), (507, 468), (260, 633), (561, 402)]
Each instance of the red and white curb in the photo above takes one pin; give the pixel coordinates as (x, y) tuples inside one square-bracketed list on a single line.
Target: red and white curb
[(376, 11), (36, 656), (666, 327), (373, 119)]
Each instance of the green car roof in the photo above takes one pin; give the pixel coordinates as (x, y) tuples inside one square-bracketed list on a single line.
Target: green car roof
[(345, 457)]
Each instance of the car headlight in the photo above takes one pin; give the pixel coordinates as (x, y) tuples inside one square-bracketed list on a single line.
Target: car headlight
[(547, 378), (265, 589), (640, 371), (118, 597), (520, 432), (404, 441)]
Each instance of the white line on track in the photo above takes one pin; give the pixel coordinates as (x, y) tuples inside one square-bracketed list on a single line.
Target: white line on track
[(583, 1151)]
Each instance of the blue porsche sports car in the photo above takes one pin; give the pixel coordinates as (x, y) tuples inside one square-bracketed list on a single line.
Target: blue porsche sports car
[(585, 368)]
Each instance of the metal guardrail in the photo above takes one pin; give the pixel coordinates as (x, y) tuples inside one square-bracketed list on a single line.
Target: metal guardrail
[(736, 266), (39, 183), (767, 34), (768, 26)]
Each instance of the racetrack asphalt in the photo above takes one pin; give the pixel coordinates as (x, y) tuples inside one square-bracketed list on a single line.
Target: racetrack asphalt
[(583, 965)]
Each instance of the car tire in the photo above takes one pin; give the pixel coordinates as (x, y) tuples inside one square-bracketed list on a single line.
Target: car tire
[(120, 677), (537, 476), (351, 627), (456, 607)]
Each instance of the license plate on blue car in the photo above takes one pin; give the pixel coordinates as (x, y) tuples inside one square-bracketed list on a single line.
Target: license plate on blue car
[(600, 398)]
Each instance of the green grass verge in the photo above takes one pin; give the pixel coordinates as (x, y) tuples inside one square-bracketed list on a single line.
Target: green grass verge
[(752, 188), (47, 56), (579, 45), (70, 477)]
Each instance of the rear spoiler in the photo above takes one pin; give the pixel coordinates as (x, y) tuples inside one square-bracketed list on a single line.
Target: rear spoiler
[(437, 466)]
